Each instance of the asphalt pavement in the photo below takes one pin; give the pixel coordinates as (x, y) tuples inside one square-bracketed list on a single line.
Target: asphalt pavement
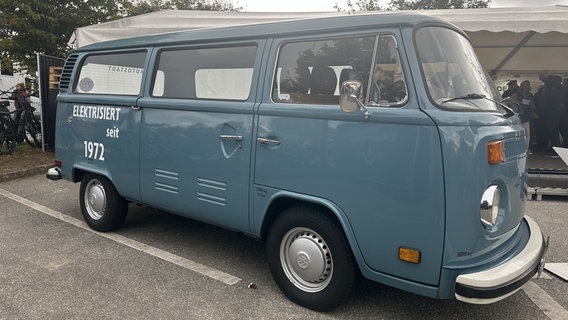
[(162, 266)]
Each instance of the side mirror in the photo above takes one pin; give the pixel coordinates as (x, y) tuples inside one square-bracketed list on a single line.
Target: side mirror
[(350, 97), (349, 94)]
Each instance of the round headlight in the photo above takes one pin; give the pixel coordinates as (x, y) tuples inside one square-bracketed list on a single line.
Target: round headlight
[(489, 209)]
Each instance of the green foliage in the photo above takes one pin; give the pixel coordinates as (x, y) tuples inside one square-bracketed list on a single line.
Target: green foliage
[(141, 7), (363, 5), (437, 4), (374, 5), (28, 27)]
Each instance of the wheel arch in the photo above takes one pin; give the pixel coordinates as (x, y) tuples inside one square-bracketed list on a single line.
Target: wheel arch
[(79, 172), (285, 200)]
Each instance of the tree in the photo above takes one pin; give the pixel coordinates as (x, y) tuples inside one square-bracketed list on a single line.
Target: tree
[(362, 5), (437, 4), (142, 7), (374, 5), (28, 27)]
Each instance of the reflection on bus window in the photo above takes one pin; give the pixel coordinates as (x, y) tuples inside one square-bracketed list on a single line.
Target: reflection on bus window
[(112, 74), (388, 87), (452, 70), (312, 71)]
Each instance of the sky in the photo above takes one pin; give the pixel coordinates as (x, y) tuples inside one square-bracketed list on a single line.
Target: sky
[(327, 5)]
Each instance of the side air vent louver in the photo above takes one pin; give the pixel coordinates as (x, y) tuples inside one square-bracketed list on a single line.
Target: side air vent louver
[(65, 80)]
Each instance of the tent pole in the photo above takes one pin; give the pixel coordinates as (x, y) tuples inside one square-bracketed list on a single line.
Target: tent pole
[(516, 49)]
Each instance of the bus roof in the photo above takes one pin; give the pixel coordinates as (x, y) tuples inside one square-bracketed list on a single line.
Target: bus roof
[(332, 23)]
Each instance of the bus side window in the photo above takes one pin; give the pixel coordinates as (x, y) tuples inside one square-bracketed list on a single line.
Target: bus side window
[(309, 71), (112, 73), (389, 85), (219, 73)]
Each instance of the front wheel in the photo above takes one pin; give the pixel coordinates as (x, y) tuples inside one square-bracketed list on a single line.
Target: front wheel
[(102, 207), (33, 132), (310, 259), (7, 140)]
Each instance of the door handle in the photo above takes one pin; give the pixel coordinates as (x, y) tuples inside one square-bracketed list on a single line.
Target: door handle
[(267, 141), (231, 137)]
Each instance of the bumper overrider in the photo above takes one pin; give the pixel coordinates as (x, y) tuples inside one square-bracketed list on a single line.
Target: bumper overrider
[(499, 282)]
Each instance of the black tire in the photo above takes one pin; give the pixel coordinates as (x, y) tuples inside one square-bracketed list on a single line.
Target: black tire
[(32, 132), (7, 138), (310, 259), (102, 207)]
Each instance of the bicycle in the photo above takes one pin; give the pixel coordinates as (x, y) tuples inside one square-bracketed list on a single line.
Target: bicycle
[(8, 139), (18, 126)]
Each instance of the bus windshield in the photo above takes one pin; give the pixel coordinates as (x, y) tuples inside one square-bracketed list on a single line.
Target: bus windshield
[(455, 79)]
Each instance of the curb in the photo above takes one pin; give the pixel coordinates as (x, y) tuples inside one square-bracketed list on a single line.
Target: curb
[(24, 173)]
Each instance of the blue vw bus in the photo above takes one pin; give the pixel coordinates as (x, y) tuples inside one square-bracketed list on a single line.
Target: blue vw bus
[(366, 144)]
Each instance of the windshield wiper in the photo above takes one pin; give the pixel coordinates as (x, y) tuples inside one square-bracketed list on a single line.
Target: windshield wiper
[(475, 96), (471, 96)]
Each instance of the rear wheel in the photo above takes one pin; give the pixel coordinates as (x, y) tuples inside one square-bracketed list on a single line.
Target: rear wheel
[(310, 259), (102, 207)]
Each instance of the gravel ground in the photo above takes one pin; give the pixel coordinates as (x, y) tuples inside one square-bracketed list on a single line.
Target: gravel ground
[(24, 161)]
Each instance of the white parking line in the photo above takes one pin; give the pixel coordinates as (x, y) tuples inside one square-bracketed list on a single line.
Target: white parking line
[(164, 255), (540, 298), (544, 302)]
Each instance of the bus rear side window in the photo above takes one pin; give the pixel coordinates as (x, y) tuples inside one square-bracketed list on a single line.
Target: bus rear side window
[(114, 73), (205, 73)]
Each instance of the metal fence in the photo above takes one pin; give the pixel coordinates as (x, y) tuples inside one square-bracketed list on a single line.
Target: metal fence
[(11, 106)]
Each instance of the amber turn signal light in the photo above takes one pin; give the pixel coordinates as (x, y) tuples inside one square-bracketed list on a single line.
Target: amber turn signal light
[(495, 152), (409, 255)]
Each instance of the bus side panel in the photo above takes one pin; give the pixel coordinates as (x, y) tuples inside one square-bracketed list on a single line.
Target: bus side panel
[(196, 130), (384, 174), (187, 168), (100, 135)]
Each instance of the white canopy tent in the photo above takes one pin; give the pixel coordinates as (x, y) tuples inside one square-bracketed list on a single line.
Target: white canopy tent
[(510, 41), (176, 20), (516, 40)]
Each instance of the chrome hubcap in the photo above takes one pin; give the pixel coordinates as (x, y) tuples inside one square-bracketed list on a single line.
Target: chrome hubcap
[(306, 259), (95, 199)]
